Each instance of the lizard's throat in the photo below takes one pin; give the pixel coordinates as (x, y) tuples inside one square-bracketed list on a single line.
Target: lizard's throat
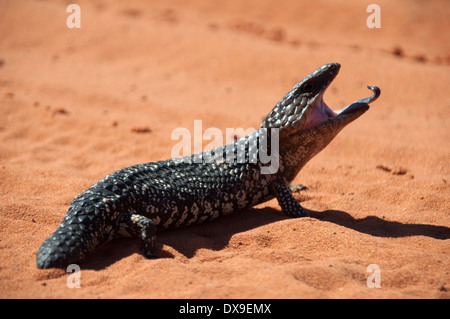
[(319, 113)]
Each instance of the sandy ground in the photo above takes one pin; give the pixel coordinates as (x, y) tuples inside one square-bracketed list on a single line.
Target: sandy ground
[(78, 104)]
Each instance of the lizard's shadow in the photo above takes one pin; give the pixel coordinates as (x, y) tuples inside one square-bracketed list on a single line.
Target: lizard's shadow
[(217, 234), (380, 227), (214, 235)]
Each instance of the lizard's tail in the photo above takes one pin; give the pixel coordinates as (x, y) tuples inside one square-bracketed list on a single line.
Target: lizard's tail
[(92, 219), (82, 229), (67, 245)]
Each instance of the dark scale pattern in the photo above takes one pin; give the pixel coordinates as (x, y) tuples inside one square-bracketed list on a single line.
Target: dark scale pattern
[(140, 200)]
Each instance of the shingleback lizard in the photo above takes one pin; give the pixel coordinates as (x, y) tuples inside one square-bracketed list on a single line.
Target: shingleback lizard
[(142, 199)]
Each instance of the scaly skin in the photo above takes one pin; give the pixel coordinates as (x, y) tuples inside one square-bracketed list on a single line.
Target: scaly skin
[(142, 199)]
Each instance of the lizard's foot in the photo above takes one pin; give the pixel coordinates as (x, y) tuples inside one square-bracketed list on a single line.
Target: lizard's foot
[(297, 188), (141, 227)]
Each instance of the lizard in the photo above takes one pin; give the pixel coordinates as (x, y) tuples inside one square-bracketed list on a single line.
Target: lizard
[(142, 199)]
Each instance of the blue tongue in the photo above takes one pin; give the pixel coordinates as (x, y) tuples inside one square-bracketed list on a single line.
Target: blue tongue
[(365, 101)]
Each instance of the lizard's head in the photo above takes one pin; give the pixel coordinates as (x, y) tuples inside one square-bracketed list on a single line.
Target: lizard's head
[(306, 124), (303, 107)]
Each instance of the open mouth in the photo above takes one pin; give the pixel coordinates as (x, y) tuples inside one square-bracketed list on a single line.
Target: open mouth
[(321, 112)]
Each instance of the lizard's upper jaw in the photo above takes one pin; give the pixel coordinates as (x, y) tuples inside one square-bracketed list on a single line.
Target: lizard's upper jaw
[(322, 113)]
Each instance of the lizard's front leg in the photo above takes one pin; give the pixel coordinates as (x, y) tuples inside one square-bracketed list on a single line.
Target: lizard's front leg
[(287, 202)]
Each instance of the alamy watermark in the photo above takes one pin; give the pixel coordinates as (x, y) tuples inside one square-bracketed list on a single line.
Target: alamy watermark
[(247, 150), (374, 279), (250, 150), (74, 19), (374, 19), (74, 279)]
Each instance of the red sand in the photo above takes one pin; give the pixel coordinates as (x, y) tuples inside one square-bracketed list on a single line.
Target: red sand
[(78, 104)]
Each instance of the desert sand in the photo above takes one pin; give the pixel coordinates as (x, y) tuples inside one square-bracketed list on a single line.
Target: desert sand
[(79, 103)]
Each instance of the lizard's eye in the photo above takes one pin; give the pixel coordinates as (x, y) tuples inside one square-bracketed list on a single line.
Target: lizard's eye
[(307, 87)]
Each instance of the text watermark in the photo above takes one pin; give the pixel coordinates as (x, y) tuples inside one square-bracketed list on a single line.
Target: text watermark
[(74, 279), (374, 19), (74, 19), (250, 150), (374, 279)]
